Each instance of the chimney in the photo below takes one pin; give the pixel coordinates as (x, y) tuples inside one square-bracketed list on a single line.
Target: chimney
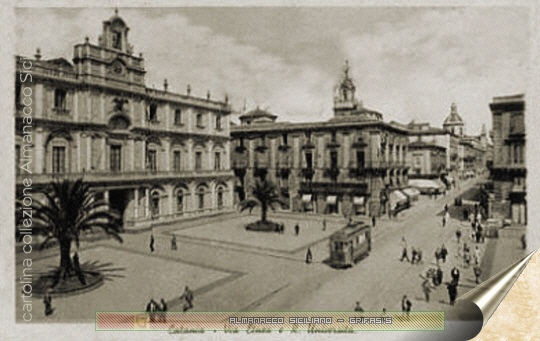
[(165, 84)]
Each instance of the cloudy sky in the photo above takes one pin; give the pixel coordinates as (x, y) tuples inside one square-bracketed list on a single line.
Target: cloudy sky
[(408, 63)]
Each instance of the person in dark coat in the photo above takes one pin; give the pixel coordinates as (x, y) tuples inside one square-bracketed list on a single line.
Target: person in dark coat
[(444, 253), (296, 229), (477, 273), (452, 291), (163, 309), (439, 275), (458, 235), (455, 275), (152, 243), (47, 301), (406, 305), (174, 247), (523, 241), (187, 297), (151, 308), (309, 256), (373, 220)]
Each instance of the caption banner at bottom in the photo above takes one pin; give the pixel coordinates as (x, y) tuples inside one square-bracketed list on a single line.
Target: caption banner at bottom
[(185, 322)]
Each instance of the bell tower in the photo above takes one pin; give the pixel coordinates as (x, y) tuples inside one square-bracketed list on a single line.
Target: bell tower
[(345, 101), (115, 34)]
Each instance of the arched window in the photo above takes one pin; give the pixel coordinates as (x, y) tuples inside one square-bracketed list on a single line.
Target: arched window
[(180, 201), (154, 203), (220, 197), (200, 197)]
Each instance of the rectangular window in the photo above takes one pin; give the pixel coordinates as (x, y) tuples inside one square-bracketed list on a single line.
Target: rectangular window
[(116, 158), (309, 160), (217, 161), (200, 120), (152, 160), (198, 161), (334, 136), (218, 122), (59, 160), (360, 159), (178, 117), (284, 139), (152, 113), (180, 201), (60, 99), (333, 159), (176, 160)]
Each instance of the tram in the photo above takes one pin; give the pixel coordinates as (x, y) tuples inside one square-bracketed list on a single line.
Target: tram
[(350, 244)]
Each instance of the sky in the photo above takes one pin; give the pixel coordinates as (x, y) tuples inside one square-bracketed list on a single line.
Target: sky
[(408, 63)]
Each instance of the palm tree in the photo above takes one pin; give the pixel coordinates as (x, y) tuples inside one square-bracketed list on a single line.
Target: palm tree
[(69, 208), (264, 194)]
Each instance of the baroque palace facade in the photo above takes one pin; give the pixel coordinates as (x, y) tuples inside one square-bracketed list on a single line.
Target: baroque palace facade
[(352, 164), (156, 156)]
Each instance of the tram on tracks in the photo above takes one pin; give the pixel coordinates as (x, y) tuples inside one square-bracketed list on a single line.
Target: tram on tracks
[(350, 244)]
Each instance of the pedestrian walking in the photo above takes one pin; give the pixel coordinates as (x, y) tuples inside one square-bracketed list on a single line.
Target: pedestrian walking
[(187, 297), (296, 229), (439, 275), (163, 309), (477, 273), (454, 273), (438, 255), (419, 256), (151, 308), (476, 255), (458, 235), (444, 253), (426, 288), (358, 307), (47, 302), (309, 256), (404, 254), (523, 241), (444, 220), (465, 214), (445, 207), (152, 243), (174, 247), (406, 305), (373, 220), (413, 255), (452, 291), (324, 224)]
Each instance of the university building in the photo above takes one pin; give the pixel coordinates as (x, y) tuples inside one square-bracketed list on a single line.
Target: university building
[(507, 190), (353, 164), (155, 155)]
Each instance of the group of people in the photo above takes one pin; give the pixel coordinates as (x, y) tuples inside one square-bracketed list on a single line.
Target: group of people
[(441, 253), (416, 253), (156, 310)]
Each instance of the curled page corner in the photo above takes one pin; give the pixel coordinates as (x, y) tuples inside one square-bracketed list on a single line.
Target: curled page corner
[(489, 294)]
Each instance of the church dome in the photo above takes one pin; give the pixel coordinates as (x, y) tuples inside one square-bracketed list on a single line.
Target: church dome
[(453, 118)]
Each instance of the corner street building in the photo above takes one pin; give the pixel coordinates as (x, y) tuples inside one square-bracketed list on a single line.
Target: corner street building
[(352, 164), (156, 156)]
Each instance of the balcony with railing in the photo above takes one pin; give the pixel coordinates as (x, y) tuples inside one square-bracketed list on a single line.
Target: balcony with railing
[(123, 176)]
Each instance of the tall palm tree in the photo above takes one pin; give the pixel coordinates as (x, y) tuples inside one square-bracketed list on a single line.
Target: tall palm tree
[(69, 208), (264, 194)]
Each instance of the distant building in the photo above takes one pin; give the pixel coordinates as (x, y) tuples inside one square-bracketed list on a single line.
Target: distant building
[(154, 155), (508, 173), (350, 165), (433, 152)]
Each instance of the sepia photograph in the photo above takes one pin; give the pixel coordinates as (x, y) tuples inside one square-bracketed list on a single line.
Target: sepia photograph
[(266, 159)]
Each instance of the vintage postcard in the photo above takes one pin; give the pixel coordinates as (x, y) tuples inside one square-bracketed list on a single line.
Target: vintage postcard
[(263, 169)]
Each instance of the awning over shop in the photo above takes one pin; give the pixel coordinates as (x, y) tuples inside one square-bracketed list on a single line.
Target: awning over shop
[(412, 192), (424, 184), (360, 201), (331, 199), (306, 198), (397, 198)]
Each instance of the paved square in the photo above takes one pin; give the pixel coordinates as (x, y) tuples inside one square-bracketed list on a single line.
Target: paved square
[(131, 280), (231, 230)]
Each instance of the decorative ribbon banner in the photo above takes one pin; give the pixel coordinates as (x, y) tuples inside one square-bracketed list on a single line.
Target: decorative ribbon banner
[(257, 322)]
